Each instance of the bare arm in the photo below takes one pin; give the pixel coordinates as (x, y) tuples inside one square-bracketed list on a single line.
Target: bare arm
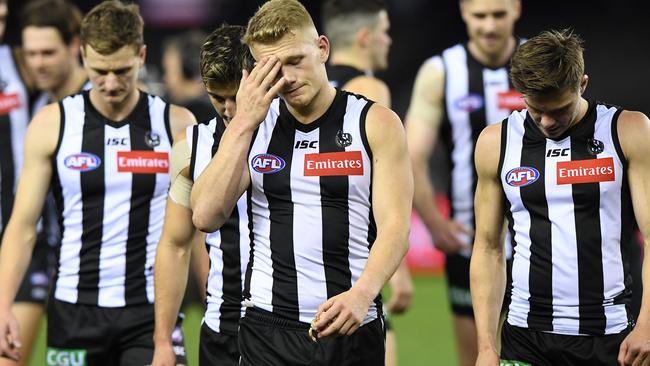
[(634, 132), (226, 177), (371, 88), (20, 233), (173, 254), (487, 267), (392, 192), (400, 283), (422, 127), (179, 119)]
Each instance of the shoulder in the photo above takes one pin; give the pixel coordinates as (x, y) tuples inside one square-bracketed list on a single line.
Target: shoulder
[(180, 118), (633, 132), (370, 87), (43, 131), (488, 149), (382, 125)]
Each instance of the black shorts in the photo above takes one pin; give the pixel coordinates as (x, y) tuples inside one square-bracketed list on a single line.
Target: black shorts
[(458, 293), (217, 348), (268, 340), (521, 346), (36, 283), (97, 336)]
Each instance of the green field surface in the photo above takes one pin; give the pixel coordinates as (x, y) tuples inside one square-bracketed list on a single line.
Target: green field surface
[(424, 334)]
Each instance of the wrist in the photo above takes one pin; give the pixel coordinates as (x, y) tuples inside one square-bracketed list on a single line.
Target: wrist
[(365, 291), (162, 338)]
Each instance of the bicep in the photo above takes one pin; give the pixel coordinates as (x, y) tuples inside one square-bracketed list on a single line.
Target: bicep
[(488, 198), (426, 110), (634, 133)]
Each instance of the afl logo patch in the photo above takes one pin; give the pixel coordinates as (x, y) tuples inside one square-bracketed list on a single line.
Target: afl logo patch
[(469, 103), (82, 162), (522, 176), (267, 163)]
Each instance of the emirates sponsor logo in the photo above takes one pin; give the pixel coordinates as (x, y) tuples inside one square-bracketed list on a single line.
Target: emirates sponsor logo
[(333, 164), (586, 171), (144, 162), (9, 102), (511, 100)]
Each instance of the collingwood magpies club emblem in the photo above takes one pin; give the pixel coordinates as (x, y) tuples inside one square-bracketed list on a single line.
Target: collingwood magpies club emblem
[(152, 139), (343, 139), (595, 147)]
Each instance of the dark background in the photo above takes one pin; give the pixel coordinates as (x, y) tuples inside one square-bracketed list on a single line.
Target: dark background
[(616, 33)]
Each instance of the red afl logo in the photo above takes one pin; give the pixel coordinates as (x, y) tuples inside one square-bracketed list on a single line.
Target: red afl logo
[(522, 176), (267, 163)]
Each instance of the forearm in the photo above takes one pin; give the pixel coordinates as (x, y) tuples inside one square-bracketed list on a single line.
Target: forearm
[(217, 190), (16, 252), (424, 194), (644, 317), (170, 279), (385, 257), (487, 283)]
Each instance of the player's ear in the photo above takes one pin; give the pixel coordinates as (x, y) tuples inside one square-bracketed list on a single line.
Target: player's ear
[(583, 83), (323, 48)]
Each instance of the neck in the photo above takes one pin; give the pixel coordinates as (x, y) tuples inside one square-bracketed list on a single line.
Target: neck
[(582, 111), (351, 58), (71, 85), (493, 60), (115, 111), (316, 107)]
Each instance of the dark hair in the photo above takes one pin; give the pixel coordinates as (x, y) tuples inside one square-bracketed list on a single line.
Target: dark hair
[(62, 15), (548, 63), (343, 18), (224, 55), (188, 45), (112, 25)]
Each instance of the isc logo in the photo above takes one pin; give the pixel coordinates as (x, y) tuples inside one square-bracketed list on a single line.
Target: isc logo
[(522, 176), (267, 163), (82, 162)]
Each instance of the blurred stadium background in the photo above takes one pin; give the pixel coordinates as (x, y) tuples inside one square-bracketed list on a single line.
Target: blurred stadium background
[(617, 50)]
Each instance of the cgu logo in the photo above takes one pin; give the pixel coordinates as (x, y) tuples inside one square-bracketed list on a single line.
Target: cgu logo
[(469, 103), (82, 162), (63, 357), (522, 176), (267, 163)]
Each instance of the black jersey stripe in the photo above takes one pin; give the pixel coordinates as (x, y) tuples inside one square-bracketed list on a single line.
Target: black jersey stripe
[(628, 221), (142, 192), (477, 117), (93, 190), (231, 272), (246, 293), (533, 197), (194, 152), (7, 170), (372, 225), (586, 204), (334, 207), (277, 189)]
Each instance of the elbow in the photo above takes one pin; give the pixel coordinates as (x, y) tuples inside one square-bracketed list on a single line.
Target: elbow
[(206, 221)]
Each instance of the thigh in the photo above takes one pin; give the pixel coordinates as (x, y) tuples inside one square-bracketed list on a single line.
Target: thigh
[(457, 275), (78, 335), (265, 344), (217, 348), (135, 336), (366, 346), (520, 346)]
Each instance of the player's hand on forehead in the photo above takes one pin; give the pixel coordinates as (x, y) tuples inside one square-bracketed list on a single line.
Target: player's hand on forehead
[(258, 89)]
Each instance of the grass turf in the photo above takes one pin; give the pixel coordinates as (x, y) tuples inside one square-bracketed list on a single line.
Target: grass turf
[(424, 334)]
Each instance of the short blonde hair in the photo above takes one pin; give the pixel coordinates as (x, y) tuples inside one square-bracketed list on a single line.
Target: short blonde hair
[(275, 19)]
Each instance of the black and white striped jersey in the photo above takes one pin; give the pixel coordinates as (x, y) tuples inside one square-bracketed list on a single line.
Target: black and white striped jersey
[(475, 96), (229, 247), (14, 117), (310, 203), (110, 182), (569, 209)]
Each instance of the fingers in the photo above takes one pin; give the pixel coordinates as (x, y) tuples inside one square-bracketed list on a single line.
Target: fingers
[(333, 327), (622, 351)]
